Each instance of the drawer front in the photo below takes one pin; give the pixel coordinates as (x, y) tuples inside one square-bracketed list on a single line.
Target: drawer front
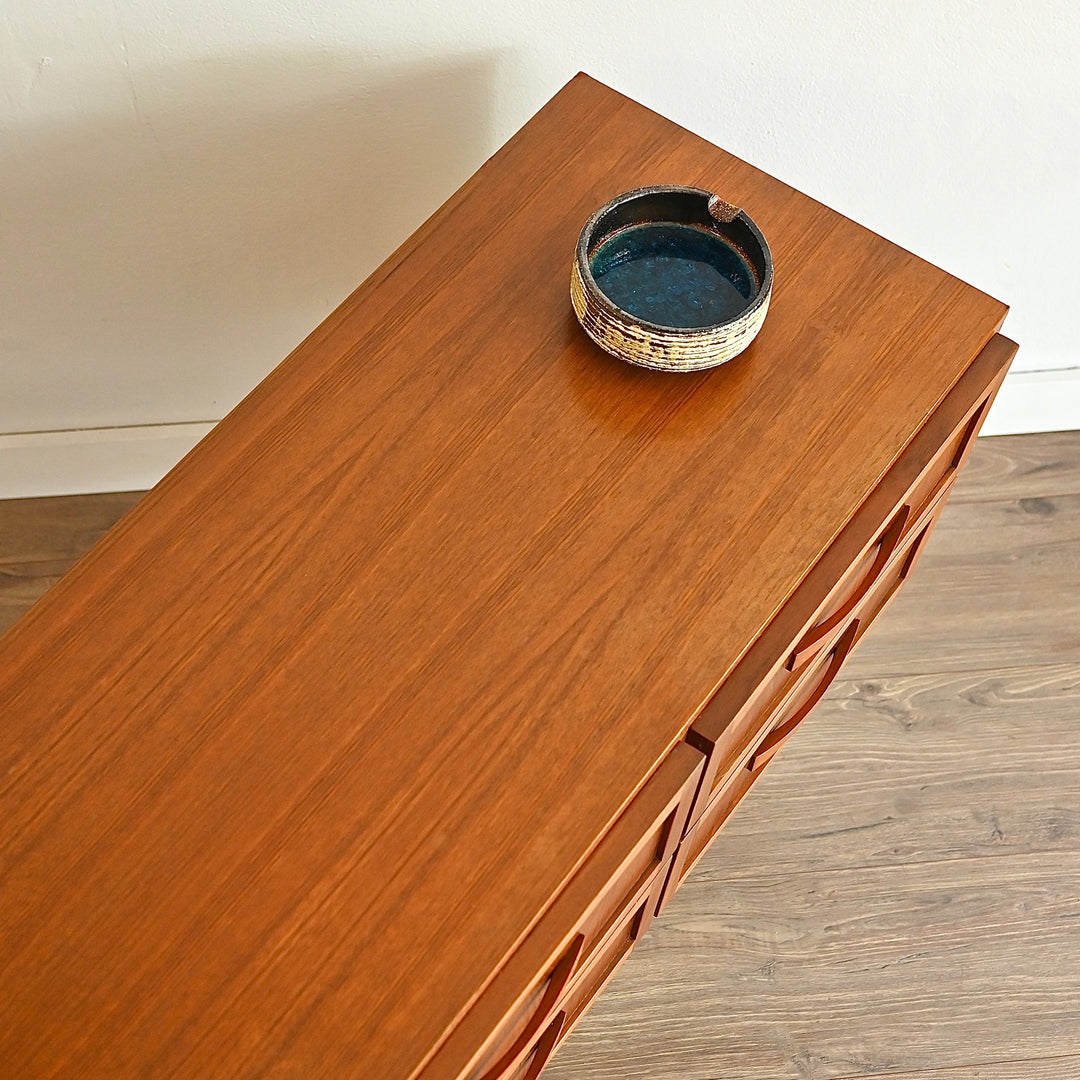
[(613, 950), (850, 592), (798, 692), (841, 583), (739, 776), (523, 1029), (629, 866), (806, 695), (530, 1065), (931, 484), (712, 820), (926, 491), (589, 977), (900, 569), (592, 977)]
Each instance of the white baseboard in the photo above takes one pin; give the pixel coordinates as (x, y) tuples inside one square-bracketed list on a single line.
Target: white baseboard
[(1032, 401), (135, 458), (92, 460)]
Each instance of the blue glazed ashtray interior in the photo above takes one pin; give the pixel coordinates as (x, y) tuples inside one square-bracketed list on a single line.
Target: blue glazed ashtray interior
[(674, 274), (676, 258)]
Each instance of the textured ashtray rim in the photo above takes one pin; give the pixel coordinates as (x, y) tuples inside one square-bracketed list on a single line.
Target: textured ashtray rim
[(671, 348)]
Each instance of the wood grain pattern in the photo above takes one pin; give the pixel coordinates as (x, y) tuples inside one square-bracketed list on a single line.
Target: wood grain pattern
[(41, 538), (300, 751), (56, 531)]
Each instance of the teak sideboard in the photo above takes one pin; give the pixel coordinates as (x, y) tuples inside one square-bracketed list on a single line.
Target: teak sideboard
[(368, 743)]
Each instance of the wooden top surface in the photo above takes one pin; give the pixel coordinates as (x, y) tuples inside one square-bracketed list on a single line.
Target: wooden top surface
[(291, 758)]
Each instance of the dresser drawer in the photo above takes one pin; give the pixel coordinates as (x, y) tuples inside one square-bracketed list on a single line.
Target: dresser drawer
[(812, 687), (926, 491), (933, 482), (537, 1056), (735, 780), (842, 582), (899, 569), (808, 692), (626, 872), (590, 978), (738, 776), (611, 952)]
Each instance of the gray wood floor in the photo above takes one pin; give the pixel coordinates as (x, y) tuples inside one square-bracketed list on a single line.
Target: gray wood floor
[(900, 896)]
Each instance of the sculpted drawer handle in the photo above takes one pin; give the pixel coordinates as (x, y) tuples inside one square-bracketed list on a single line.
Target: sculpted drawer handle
[(886, 545), (778, 736), (556, 984), (545, 1047)]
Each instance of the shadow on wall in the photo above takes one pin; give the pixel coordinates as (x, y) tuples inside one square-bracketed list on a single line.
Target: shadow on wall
[(160, 262)]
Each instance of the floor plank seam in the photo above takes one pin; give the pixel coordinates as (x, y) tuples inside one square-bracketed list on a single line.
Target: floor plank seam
[(944, 1070), (926, 672), (956, 498), (1058, 852)]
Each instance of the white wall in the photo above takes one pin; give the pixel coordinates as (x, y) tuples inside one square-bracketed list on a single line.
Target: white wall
[(187, 189)]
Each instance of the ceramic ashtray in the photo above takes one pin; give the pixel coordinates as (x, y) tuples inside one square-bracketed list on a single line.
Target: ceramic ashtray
[(671, 278)]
